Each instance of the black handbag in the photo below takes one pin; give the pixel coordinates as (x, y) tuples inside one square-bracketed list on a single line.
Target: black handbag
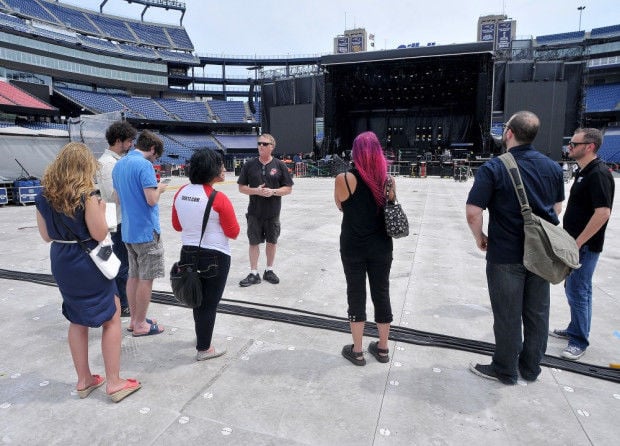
[(396, 223), (185, 277)]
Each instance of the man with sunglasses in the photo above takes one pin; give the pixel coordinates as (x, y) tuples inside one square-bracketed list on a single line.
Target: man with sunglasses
[(519, 298), (586, 216), (265, 179)]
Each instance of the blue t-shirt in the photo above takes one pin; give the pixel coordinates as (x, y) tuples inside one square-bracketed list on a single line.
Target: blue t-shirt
[(493, 189), (130, 176)]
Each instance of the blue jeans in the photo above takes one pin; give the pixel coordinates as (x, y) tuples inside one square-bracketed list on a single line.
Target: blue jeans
[(578, 288), (120, 250), (520, 303)]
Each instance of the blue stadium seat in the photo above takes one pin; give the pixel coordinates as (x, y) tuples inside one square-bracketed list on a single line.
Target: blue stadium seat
[(30, 8), (180, 38), (606, 31), (610, 150), (114, 28), (72, 18), (574, 36), (600, 98), (15, 23), (145, 107), (228, 111), (151, 34), (190, 111)]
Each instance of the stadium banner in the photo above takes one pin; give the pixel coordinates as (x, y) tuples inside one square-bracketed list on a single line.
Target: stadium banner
[(504, 35), (343, 45), (357, 43), (487, 32)]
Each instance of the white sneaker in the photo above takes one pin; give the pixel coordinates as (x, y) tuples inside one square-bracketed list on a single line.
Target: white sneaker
[(573, 352)]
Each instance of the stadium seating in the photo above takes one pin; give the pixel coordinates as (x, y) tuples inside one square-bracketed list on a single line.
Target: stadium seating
[(194, 141), (180, 38), (175, 56), (150, 34), (98, 43), (189, 111), (15, 23), (138, 51), (72, 18), (16, 96), (237, 142), (600, 98), (610, 150), (91, 101), (605, 31), (575, 36), (144, 107), (228, 111), (30, 8), (113, 28)]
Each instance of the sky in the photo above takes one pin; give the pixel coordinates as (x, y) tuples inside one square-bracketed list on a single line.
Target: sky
[(308, 27)]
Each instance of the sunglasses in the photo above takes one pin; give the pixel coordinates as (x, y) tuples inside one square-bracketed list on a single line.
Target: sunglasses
[(573, 144), (261, 143)]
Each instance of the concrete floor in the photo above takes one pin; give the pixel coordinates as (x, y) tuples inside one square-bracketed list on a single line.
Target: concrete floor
[(286, 384)]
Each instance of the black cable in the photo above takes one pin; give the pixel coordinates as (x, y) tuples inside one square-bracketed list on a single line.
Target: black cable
[(335, 323)]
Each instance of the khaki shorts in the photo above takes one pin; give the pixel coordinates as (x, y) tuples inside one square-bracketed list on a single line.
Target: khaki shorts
[(146, 260)]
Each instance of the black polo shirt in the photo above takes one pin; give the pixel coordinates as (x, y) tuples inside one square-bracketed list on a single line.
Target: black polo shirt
[(273, 175), (493, 190), (593, 187)]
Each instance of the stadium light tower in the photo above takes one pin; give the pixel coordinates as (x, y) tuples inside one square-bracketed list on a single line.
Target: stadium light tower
[(580, 9)]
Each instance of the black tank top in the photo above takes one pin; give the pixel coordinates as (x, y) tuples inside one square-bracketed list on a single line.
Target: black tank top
[(363, 225)]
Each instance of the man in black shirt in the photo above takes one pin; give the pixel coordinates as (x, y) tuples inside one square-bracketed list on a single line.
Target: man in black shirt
[(265, 179), (587, 213)]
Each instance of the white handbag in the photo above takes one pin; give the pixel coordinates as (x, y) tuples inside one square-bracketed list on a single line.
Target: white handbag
[(104, 258)]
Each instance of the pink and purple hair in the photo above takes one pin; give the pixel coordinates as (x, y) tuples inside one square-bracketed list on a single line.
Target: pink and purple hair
[(371, 163)]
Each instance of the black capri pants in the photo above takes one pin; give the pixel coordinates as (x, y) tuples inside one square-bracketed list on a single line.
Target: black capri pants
[(377, 268), (216, 264)]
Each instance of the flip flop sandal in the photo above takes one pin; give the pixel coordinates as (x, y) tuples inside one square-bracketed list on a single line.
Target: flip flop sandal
[(154, 330), (355, 357), (148, 321)]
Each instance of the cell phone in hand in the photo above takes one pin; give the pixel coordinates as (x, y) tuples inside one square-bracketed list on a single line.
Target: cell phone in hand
[(166, 180)]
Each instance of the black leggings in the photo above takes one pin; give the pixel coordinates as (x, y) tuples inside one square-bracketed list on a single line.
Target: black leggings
[(212, 290), (378, 271)]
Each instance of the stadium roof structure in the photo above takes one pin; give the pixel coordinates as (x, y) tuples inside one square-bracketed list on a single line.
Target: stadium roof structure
[(408, 53)]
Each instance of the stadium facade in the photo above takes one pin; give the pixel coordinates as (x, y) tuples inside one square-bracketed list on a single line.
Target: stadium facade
[(60, 63)]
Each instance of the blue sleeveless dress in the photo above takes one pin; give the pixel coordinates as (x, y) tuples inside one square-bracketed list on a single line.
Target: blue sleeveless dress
[(87, 295)]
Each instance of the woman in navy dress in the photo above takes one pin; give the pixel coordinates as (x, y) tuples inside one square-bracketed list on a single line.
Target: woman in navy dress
[(68, 205)]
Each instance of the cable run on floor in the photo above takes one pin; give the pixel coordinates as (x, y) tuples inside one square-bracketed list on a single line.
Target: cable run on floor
[(322, 321)]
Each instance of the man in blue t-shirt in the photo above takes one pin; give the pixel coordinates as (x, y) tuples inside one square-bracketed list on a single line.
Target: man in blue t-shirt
[(138, 192), (519, 298), (587, 212)]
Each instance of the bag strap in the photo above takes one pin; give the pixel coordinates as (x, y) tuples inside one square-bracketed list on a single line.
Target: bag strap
[(515, 176), (388, 188), (205, 217), (86, 249)]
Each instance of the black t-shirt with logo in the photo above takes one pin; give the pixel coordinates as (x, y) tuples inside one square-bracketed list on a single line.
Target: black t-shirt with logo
[(273, 175), (592, 188)]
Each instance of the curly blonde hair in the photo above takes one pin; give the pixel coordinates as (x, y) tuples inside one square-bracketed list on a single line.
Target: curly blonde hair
[(70, 178)]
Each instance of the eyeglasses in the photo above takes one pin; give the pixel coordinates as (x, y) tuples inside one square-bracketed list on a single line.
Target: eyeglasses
[(261, 143), (573, 144), (506, 126)]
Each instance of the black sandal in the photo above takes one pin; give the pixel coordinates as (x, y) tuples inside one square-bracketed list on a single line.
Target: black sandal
[(355, 357), (380, 354)]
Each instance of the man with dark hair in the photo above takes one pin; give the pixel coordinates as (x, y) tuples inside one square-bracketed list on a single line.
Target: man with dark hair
[(265, 179), (120, 136), (587, 212), (138, 193), (519, 298)]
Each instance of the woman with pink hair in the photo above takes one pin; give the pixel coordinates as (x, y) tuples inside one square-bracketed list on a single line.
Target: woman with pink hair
[(365, 247)]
